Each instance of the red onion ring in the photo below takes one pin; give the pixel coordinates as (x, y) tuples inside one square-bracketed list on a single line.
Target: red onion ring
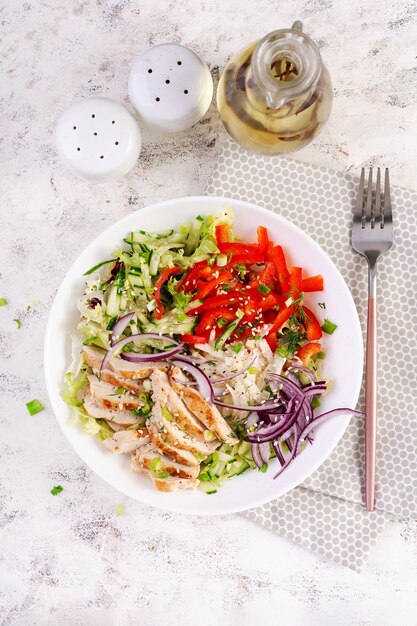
[(119, 327), (136, 356), (205, 387)]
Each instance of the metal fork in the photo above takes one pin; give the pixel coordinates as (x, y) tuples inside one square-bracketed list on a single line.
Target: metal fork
[(372, 237)]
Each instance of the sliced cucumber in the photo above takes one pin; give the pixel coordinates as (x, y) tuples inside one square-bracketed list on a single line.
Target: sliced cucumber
[(113, 302), (135, 280), (234, 469)]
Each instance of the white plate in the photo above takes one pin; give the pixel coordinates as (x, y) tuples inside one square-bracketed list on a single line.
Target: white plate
[(343, 364)]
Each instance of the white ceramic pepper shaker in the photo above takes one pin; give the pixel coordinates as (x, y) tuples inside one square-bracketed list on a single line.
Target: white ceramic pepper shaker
[(98, 139), (170, 87)]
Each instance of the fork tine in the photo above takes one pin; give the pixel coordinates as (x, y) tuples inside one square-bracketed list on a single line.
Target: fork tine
[(358, 210), (368, 213), (377, 216), (387, 214)]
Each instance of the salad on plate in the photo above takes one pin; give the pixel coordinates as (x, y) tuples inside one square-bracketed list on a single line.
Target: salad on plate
[(200, 358)]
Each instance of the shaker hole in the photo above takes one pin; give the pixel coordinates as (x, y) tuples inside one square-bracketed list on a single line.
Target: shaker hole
[(95, 134), (116, 143), (149, 71), (167, 81), (179, 62), (157, 99), (102, 156), (113, 122), (185, 91), (93, 115), (74, 128), (78, 149)]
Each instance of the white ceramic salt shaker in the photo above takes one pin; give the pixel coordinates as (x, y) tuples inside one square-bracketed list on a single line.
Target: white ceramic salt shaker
[(170, 87), (98, 139)]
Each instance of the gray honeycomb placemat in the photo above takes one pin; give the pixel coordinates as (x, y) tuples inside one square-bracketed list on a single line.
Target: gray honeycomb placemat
[(320, 202)]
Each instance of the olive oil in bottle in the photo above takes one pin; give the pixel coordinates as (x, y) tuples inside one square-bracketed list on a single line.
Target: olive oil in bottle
[(276, 95)]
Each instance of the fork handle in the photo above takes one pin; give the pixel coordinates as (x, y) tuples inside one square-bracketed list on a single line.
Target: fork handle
[(371, 391)]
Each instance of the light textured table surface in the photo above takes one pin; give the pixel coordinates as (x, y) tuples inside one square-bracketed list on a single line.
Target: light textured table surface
[(68, 560)]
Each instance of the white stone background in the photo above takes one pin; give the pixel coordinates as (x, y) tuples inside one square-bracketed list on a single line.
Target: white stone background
[(68, 560)]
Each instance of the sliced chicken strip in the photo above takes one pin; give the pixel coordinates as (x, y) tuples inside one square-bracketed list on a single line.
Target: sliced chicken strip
[(208, 414), (178, 437), (160, 441), (94, 357), (143, 457), (127, 440), (183, 418), (105, 394), (171, 483), (122, 418)]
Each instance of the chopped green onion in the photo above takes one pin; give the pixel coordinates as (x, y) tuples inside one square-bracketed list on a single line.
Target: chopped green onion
[(221, 322), (156, 464), (237, 347), (152, 305), (282, 351), (93, 269), (111, 322), (163, 474), (211, 492), (34, 406), (240, 313), (315, 402), (56, 490), (263, 289), (3, 301), (89, 340), (321, 355), (204, 477), (252, 370), (221, 260), (120, 391), (208, 435), (119, 509), (19, 323), (328, 327), (181, 316), (168, 416), (263, 467), (256, 337)]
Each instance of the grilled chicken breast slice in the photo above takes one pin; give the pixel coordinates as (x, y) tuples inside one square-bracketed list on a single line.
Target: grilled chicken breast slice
[(178, 437), (160, 441), (133, 371), (171, 483), (121, 418), (106, 395), (143, 457), (208, 414), (127, 440), (167, 397)]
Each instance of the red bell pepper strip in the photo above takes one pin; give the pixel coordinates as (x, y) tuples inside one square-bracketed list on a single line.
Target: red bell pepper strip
[(222, 234), (296, 275), (165, 274), (250, 308), (212, 284), (199, 270), (312, 325), (210, 318), (241, 249), (232, 299), (313, 283), (266, 277), (192, 340), (268, 302), (263, 239), (305, 353), (272, 341), (281, 318), (281, 272)]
